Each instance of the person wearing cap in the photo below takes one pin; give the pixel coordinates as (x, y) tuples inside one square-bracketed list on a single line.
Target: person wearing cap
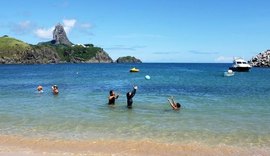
[(55, 89), (130, 95)]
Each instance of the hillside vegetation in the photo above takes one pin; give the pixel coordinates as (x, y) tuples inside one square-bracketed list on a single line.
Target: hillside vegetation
[(10, 46), (14, 51), (128, 59), (67, 53)]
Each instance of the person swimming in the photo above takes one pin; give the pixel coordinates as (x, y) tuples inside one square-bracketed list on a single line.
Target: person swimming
[(112, 97), (174, 105), (55, 90), (130, 95), (40, 89)]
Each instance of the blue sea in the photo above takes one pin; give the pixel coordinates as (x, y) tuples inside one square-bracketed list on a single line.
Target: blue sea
[(216, 110)]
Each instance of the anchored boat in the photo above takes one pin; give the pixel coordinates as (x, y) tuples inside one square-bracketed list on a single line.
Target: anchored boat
[(240, 65), (134, 70)]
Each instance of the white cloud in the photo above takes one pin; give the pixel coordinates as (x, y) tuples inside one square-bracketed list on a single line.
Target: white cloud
[(25, 24), (86, 25), (224, 59), (68, 24), (47, 33), (44, 33), (22, 27), (85, 28)]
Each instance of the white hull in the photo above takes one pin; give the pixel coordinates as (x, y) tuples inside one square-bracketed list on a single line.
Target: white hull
[(240, 65)]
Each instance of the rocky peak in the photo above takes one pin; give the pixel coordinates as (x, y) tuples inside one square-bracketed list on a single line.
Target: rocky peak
[(59, 36)]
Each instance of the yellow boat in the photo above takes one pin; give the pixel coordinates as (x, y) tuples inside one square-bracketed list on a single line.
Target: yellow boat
[(134, 70)]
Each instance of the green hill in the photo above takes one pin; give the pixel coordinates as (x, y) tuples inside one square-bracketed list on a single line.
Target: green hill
[(79, 53), (14, 51), (10, 46)]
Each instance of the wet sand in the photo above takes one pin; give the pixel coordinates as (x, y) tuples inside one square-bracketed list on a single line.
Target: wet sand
[(14, 145)]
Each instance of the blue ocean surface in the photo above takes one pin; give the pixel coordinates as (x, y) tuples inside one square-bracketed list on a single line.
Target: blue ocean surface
[(215, 109)]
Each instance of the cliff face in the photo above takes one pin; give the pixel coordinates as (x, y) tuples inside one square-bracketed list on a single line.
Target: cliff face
[(128, 59), (261, 60), (83, 54), (33, 56), (13, 51), (100, 57)]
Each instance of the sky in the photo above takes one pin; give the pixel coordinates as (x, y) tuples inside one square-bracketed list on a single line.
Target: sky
[(195, 31)]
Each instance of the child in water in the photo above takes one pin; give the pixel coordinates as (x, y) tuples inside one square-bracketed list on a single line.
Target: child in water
[(174, 105), (130, 95), (40, 89)]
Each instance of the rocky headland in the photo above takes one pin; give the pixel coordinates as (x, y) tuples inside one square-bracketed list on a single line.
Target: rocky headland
[(13, 51), (128, 59), (58, 50), (261, 60)]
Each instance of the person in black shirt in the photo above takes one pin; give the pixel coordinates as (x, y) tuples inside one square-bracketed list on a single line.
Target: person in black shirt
[(130, 95), (112, 97)]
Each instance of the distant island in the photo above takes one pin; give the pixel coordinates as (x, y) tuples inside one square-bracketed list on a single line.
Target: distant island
[(58, 50), (128, 59)]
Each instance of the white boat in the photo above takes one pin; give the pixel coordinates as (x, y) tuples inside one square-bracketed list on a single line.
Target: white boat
[(229, 73), (240, 65)]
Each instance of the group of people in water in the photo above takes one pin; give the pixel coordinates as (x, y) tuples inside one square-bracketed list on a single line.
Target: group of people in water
[(113, 96), (55, 90)]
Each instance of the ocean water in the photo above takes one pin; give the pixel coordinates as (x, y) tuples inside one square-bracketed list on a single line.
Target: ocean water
[(216, 110)]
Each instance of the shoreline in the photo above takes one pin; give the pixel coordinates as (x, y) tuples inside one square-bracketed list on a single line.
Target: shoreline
[(15, 145)]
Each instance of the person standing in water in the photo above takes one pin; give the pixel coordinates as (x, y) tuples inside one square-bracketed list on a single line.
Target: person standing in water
[(130, 95), (55, 90), (174, 105), (112, 97)]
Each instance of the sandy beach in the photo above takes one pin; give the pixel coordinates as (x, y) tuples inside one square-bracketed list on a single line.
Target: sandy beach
[(14, 145)]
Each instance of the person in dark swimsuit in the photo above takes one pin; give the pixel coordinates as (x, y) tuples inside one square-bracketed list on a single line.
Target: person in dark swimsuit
[(130, 95), (174, 105), (112, 97)]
